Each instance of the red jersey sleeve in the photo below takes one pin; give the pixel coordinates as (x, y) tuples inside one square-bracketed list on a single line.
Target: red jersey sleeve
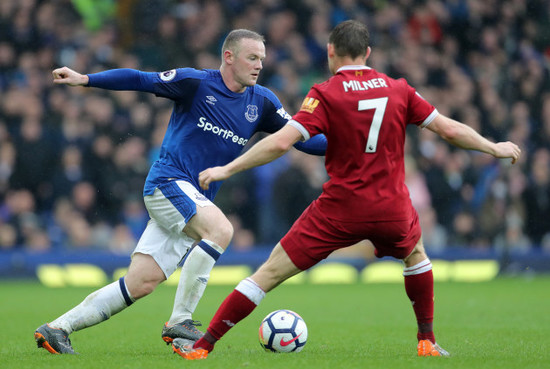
[(419, 111)]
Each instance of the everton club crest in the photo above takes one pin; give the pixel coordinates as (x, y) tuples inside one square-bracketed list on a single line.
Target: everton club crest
[(251, 113)]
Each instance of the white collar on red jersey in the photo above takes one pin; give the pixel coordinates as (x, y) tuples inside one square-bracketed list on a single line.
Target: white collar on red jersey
[(352, 67)]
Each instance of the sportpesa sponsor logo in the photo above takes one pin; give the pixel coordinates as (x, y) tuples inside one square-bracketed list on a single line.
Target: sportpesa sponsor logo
[(224, 133)]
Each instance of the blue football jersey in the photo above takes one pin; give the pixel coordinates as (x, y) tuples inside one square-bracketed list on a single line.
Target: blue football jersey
[(210, 124)]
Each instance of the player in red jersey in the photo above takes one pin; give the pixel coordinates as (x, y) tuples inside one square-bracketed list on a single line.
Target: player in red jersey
[(363, 114)]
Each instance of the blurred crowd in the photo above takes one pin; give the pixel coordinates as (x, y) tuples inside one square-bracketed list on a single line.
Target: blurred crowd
[(73, 161)]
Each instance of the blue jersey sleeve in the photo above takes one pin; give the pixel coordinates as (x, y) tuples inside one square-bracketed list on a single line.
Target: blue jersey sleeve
[(316, 145), (123, 79), (176, 84), (179, 84)]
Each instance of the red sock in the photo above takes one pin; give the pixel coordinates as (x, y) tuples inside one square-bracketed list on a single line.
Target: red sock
[(234, 308), (420, 290), (204, 343)]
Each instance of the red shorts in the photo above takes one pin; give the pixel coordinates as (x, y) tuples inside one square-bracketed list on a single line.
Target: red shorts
[(314, 236)]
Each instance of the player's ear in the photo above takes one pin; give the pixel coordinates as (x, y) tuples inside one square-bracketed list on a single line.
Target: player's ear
[(330, 50), (228, 57), (368, 53)]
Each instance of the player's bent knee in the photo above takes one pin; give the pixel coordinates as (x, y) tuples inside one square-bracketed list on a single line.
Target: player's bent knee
[(143, 289), (226, 234), (212, 226), (221, 234)]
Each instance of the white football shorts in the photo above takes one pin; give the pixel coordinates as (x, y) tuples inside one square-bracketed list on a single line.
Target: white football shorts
[(170, 208)]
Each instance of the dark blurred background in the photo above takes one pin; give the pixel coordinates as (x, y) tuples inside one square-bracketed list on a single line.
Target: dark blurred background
[(73, 161)]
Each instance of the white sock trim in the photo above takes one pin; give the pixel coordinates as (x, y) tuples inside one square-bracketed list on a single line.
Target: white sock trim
[(250, 289), (214, 245), (126, 292), (422, 267)]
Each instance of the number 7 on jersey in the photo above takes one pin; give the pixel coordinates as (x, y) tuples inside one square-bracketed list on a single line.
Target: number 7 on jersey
[(379, 106)]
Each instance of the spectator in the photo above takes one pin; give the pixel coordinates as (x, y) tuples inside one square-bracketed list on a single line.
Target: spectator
[(7, 160), (537, 198), (434, 235), (69, 174), (83, 197), (8, 237), (35, 158), (122, 240)]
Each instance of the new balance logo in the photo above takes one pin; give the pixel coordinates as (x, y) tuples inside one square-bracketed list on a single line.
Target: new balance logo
[(229, 323)]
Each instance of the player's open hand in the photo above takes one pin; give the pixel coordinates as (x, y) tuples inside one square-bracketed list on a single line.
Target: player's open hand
[(210, 175), (507, 150), (67, 76)]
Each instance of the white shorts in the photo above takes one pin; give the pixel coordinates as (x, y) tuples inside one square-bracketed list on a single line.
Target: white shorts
[(170, 207)]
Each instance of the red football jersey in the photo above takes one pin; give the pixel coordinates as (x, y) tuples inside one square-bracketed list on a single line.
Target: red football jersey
[(363, 114)]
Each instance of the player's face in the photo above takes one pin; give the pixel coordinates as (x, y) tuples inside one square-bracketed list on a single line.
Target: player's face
[(248, 62)]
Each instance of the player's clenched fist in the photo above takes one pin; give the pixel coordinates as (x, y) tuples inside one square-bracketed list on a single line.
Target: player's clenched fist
[(67, 76), (507, 150), (212, 175)]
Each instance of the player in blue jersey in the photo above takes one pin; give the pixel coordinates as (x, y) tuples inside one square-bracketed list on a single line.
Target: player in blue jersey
[(215, 113)]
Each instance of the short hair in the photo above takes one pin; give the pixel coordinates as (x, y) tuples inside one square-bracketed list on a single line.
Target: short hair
[(231, 42), (350, 38)]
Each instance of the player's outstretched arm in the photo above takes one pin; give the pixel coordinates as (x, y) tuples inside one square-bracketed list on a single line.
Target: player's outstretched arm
[(122, 79), (465, 137), (263, 152), (67, 76)]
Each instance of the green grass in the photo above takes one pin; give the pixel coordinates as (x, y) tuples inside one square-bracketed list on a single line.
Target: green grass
[(499, 324)]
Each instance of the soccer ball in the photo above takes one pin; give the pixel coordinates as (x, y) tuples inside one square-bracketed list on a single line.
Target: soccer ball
[(283, 331)]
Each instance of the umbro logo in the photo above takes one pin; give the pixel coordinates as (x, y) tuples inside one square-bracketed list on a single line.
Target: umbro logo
[(211, 100)]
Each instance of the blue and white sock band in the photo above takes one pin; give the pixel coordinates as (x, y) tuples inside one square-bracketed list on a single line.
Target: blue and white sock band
[(129, 300), (210, 249)]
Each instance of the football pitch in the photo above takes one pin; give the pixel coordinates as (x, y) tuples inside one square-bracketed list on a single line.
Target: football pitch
[(504, 323)]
